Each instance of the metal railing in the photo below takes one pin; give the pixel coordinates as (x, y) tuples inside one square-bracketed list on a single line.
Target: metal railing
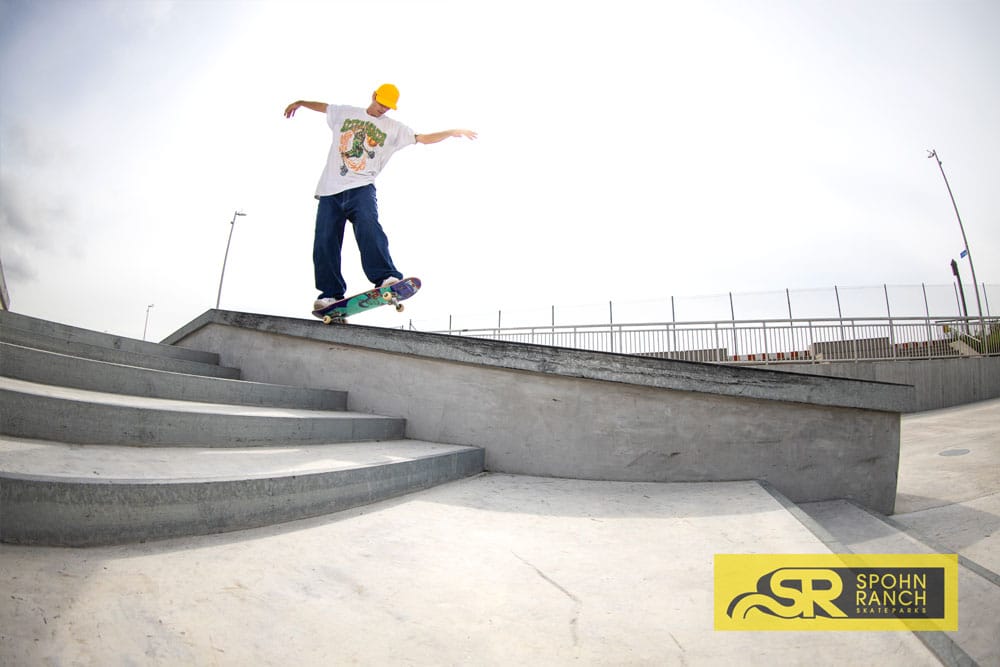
[(770, 341)]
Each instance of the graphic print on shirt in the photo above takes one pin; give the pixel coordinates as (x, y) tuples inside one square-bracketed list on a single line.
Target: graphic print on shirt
[(358, 141)]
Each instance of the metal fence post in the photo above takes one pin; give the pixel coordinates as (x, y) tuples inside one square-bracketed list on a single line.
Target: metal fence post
[(763, 324), (732, 313), (673, 327), (927, 312), (611, 325)]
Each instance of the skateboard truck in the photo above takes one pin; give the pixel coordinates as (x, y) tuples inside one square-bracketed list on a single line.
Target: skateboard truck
[(335, 318), (390, 297)]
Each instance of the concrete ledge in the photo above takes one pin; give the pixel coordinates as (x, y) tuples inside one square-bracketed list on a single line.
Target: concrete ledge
[(771, 385), (938, 383), (31, 365), (82, 512), (556, 412)]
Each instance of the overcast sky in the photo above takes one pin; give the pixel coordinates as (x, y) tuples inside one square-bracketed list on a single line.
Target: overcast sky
[(628, 151)]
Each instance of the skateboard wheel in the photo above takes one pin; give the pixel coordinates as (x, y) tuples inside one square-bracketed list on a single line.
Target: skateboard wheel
[(399, 307), (327, 319)]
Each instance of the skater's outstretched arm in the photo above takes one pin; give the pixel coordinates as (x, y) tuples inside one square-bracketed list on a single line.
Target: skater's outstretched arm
[(435, 137), (294, 106)]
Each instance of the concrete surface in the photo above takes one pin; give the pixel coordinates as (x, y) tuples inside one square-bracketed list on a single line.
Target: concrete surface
[(585, 415), (496, 570), (493, 570), (949, 480)]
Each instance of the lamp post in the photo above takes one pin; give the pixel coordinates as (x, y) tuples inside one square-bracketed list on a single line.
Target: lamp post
[(961, 292), (232, 226), (146, 325), (979, 304)]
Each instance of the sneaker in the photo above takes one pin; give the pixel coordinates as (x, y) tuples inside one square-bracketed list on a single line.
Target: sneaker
[(320, 304), (389, 281)]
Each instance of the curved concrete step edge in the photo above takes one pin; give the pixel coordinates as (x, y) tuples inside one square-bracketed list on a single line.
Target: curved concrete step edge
[(36, 416), (45, 511), (74, 334), (33, 365), (116, 356)]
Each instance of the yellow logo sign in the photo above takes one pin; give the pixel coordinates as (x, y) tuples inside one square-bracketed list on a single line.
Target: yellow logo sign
[(836, 592)]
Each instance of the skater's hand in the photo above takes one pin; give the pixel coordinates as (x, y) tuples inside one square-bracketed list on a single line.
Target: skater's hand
[(435, 137), (294, 106)]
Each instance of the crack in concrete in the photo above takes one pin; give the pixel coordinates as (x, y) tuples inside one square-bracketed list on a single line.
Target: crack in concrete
[(578, 605)]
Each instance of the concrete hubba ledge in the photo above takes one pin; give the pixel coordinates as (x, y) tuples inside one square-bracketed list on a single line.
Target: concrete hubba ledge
[(740, 382), (588, 415)]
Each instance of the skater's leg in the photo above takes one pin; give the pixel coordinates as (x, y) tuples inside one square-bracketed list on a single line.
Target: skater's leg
[(372, 241), (327, 243)]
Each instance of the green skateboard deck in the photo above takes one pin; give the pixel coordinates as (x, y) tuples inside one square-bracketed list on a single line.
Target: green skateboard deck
[(338, 312)]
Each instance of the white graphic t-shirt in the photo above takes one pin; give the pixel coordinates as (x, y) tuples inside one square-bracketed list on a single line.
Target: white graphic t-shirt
[(362, 145)]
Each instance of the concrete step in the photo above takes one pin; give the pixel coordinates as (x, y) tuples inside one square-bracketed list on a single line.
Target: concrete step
[(71, 334), (72, 347), (78, 416), (106, 440), (860, 531), (38, 366), (53, 493)]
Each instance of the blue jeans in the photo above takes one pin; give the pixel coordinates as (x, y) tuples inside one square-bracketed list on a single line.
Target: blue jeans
[(360, 206)]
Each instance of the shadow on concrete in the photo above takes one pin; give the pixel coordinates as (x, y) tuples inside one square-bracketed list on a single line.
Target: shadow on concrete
[(956, 527)]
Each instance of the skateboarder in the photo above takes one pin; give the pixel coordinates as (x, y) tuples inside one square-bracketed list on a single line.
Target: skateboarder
[(363, 141)]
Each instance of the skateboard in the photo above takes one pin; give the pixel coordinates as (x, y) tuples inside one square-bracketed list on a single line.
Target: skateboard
[(373, 298)]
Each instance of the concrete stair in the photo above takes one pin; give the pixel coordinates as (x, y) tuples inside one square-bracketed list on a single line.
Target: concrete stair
[(52, 337), (107, 440)]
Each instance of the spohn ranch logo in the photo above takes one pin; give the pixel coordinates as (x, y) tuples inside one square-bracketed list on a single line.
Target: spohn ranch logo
[(836, 592)]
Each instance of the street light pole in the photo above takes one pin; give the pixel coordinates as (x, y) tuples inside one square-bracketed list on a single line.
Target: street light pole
[(961, 292), (146, 325), (979, 304), (232, 226)]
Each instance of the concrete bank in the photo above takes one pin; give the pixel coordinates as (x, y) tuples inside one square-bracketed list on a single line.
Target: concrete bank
[(567, 413)]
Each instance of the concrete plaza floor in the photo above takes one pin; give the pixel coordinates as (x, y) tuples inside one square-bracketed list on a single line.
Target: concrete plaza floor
[(492, 570)]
